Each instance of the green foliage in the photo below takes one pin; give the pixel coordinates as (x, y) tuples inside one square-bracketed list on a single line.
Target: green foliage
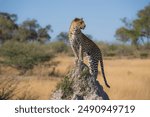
[(123, 50), (58, 47), (111, 54), (144, 54), (126, 34), (29, 30), (85, 73), (66, 87), (121, 34), (43, 35), (143, 22), (63, 36), (7, 26), (24, 55), (136, 31)]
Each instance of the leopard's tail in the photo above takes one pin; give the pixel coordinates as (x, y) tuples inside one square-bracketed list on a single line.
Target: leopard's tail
[(102, 70)]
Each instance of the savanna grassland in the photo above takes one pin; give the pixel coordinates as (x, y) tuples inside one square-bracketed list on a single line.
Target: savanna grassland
[(129, 79), (31, 64)]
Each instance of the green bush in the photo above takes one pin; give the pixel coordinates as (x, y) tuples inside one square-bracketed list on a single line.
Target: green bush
[(24, 55), (144, 55), (111, 54), (113, 47), (125, 50), (104, 47), (117, 50), (58, 47), (66, 86)]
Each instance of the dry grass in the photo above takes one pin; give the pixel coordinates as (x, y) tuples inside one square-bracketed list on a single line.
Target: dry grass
[(28, 88), (128, 78), (34, 88)]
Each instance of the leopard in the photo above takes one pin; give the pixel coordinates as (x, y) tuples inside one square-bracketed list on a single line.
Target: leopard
[(81, 44)]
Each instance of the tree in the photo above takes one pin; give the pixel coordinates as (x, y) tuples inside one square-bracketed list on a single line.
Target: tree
[(136, 31), (30, 30), (63, 36), (143, 22), (128, 33), (7, 26), (43, 34), (121, 34)]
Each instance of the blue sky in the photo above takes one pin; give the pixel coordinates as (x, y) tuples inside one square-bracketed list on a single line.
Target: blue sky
[(102, 17)]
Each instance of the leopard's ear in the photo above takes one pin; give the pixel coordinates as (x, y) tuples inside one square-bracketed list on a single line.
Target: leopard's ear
[(76, 19)]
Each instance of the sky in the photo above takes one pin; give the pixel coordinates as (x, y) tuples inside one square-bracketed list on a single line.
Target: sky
[(102, 17)]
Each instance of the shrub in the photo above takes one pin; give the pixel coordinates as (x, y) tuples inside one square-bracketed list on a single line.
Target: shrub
[(104, 47), (113, 47), (118, 50), (143, 54), (66, 86), (111, 54), (58, 47), (24, 55), (126, 50)]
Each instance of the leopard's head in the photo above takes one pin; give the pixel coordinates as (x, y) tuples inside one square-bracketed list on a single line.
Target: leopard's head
[(78, 23)]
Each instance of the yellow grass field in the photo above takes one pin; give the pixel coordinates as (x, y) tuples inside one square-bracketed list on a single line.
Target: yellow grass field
[(129, 79)]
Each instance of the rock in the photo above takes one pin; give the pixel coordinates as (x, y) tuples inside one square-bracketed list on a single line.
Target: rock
[(79, 85)]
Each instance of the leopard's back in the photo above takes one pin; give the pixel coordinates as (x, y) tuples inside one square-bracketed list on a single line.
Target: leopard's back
[(89, 47)]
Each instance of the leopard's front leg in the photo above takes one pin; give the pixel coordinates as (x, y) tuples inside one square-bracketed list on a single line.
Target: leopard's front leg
[(80, 55), (75, 52)]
